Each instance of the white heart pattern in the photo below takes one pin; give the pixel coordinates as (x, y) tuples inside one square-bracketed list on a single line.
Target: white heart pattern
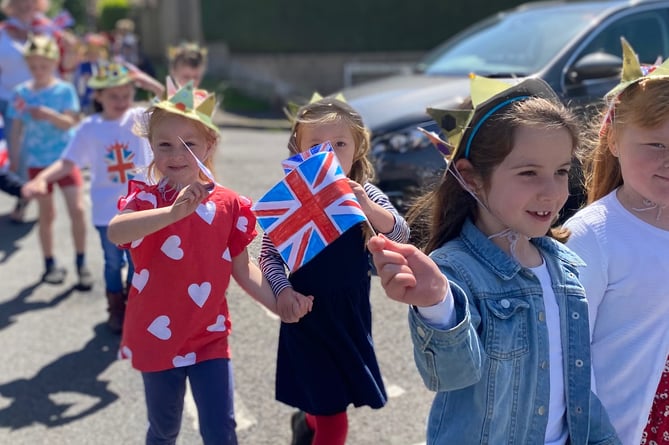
[(242, 224), (185, 360), (207, 211), (137, 242), (219, 326), (199, 292), (158, 327), (144, 196), (171, 247), (226, 255), (139, 279)]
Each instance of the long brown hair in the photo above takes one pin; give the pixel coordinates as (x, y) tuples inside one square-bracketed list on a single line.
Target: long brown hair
[(438, 215), (645, 104)]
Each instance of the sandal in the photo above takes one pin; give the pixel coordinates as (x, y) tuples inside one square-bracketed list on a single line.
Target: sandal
[(18, 214)]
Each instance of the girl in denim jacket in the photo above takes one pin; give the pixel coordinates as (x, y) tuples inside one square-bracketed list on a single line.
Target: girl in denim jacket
[(498, 318)]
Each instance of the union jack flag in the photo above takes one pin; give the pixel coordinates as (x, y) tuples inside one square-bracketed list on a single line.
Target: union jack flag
[(295, 160), (120, 163), (440, 144), (309, 209)]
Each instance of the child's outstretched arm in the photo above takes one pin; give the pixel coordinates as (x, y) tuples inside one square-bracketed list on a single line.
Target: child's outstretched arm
[(250, 278), (143, 80), (407, 274), (39, 184), (64, 120), (130, 225)]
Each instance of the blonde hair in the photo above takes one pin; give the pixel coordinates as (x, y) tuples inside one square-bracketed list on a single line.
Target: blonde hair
[(644, 104), (145, 125), (329, 110)]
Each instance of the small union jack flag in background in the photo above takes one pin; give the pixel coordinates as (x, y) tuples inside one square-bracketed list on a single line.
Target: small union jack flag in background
[(295, 160), (309, 209)]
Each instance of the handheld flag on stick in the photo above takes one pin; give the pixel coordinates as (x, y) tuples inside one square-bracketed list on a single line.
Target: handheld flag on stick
[(292, 162), (309, 209)]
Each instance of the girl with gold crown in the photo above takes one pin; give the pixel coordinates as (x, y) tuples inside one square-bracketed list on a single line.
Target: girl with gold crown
[(187, 236), (44, 111), (498, 318), (623, 236), (106, 143)]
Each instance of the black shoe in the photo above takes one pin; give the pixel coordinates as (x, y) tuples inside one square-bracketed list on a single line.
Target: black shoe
[(85, 279), (54, 275), (302, 434)]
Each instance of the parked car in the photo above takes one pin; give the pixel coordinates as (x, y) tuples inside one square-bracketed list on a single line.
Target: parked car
[(574, 46)]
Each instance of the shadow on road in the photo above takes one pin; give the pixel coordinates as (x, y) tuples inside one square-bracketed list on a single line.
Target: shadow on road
[(18, 304), (65, 390), (12, 232)]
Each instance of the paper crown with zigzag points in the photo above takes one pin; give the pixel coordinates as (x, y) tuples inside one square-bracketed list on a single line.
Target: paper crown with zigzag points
[(488, 96), (41, 45), (108, 75), (190, 102), (186, 47)]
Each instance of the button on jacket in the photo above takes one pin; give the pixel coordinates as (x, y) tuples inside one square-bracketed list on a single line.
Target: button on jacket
[(491, 370)]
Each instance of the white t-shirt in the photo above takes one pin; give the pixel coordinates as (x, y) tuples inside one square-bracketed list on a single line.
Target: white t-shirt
[(114, 155), (12, 64), (627, 289)]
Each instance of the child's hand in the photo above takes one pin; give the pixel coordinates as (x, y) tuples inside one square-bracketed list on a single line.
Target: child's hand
[(39, 113), (407, 274), (291, 305), (188, 200), (360, 194), (35, 187)]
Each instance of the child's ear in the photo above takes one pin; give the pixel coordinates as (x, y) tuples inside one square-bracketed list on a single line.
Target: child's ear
[(469, 175)]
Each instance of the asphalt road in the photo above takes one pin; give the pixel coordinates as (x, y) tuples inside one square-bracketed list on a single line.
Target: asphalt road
[(60, 380)]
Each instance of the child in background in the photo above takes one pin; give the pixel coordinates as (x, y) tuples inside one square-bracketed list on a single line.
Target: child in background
[(94, 51), (326, 361), (498, 317), (187, 63), (105, 142), (44, 111), (187, 236), (623, 236)]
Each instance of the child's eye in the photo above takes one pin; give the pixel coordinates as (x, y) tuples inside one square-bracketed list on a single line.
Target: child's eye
[(340, 144), (658, 145), (563, 172), (528, 173)]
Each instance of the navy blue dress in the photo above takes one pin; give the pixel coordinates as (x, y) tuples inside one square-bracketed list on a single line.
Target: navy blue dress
[(326, 361)]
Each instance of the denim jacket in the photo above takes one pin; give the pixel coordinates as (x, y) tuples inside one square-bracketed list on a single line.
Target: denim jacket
[(491, 370)]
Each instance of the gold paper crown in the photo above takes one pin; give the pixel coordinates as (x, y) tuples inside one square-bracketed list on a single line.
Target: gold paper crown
[(184, 47), (292, 109), (108, 75), (41, 45), (633, 72), (487, 96), (187, 101)]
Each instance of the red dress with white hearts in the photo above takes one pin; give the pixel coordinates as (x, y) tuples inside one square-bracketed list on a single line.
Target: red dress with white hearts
[(177, 312)]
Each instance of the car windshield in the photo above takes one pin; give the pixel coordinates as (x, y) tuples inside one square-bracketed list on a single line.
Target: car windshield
[(509, 44)]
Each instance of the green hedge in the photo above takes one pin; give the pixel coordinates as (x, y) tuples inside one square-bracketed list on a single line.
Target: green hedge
[(342, 25)]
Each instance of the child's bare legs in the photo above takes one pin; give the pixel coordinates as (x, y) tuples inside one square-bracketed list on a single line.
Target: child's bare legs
[(46, 216), (74, 199)]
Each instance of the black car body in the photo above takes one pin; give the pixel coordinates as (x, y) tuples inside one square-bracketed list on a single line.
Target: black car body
[(574, 46)]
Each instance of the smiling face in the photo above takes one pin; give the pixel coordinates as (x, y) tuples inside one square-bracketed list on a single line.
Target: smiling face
[(643, 154), (170, 156), (527, 190), (115, 101), (338, 133)]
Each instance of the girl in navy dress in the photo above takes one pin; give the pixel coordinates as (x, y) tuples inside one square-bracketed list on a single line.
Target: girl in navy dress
[(326, 359)]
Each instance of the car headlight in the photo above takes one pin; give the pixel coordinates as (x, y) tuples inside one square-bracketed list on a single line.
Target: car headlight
[(402, 141)]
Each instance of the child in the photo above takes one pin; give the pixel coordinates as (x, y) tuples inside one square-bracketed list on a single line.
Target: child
[(94, 51), (498, 317), (326, 360), (105, 143), (187, 62), (187, 236), (623, 236), (44, 111)]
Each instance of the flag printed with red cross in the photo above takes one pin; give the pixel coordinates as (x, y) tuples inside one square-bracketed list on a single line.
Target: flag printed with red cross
[(309, 209), (120, 163)]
